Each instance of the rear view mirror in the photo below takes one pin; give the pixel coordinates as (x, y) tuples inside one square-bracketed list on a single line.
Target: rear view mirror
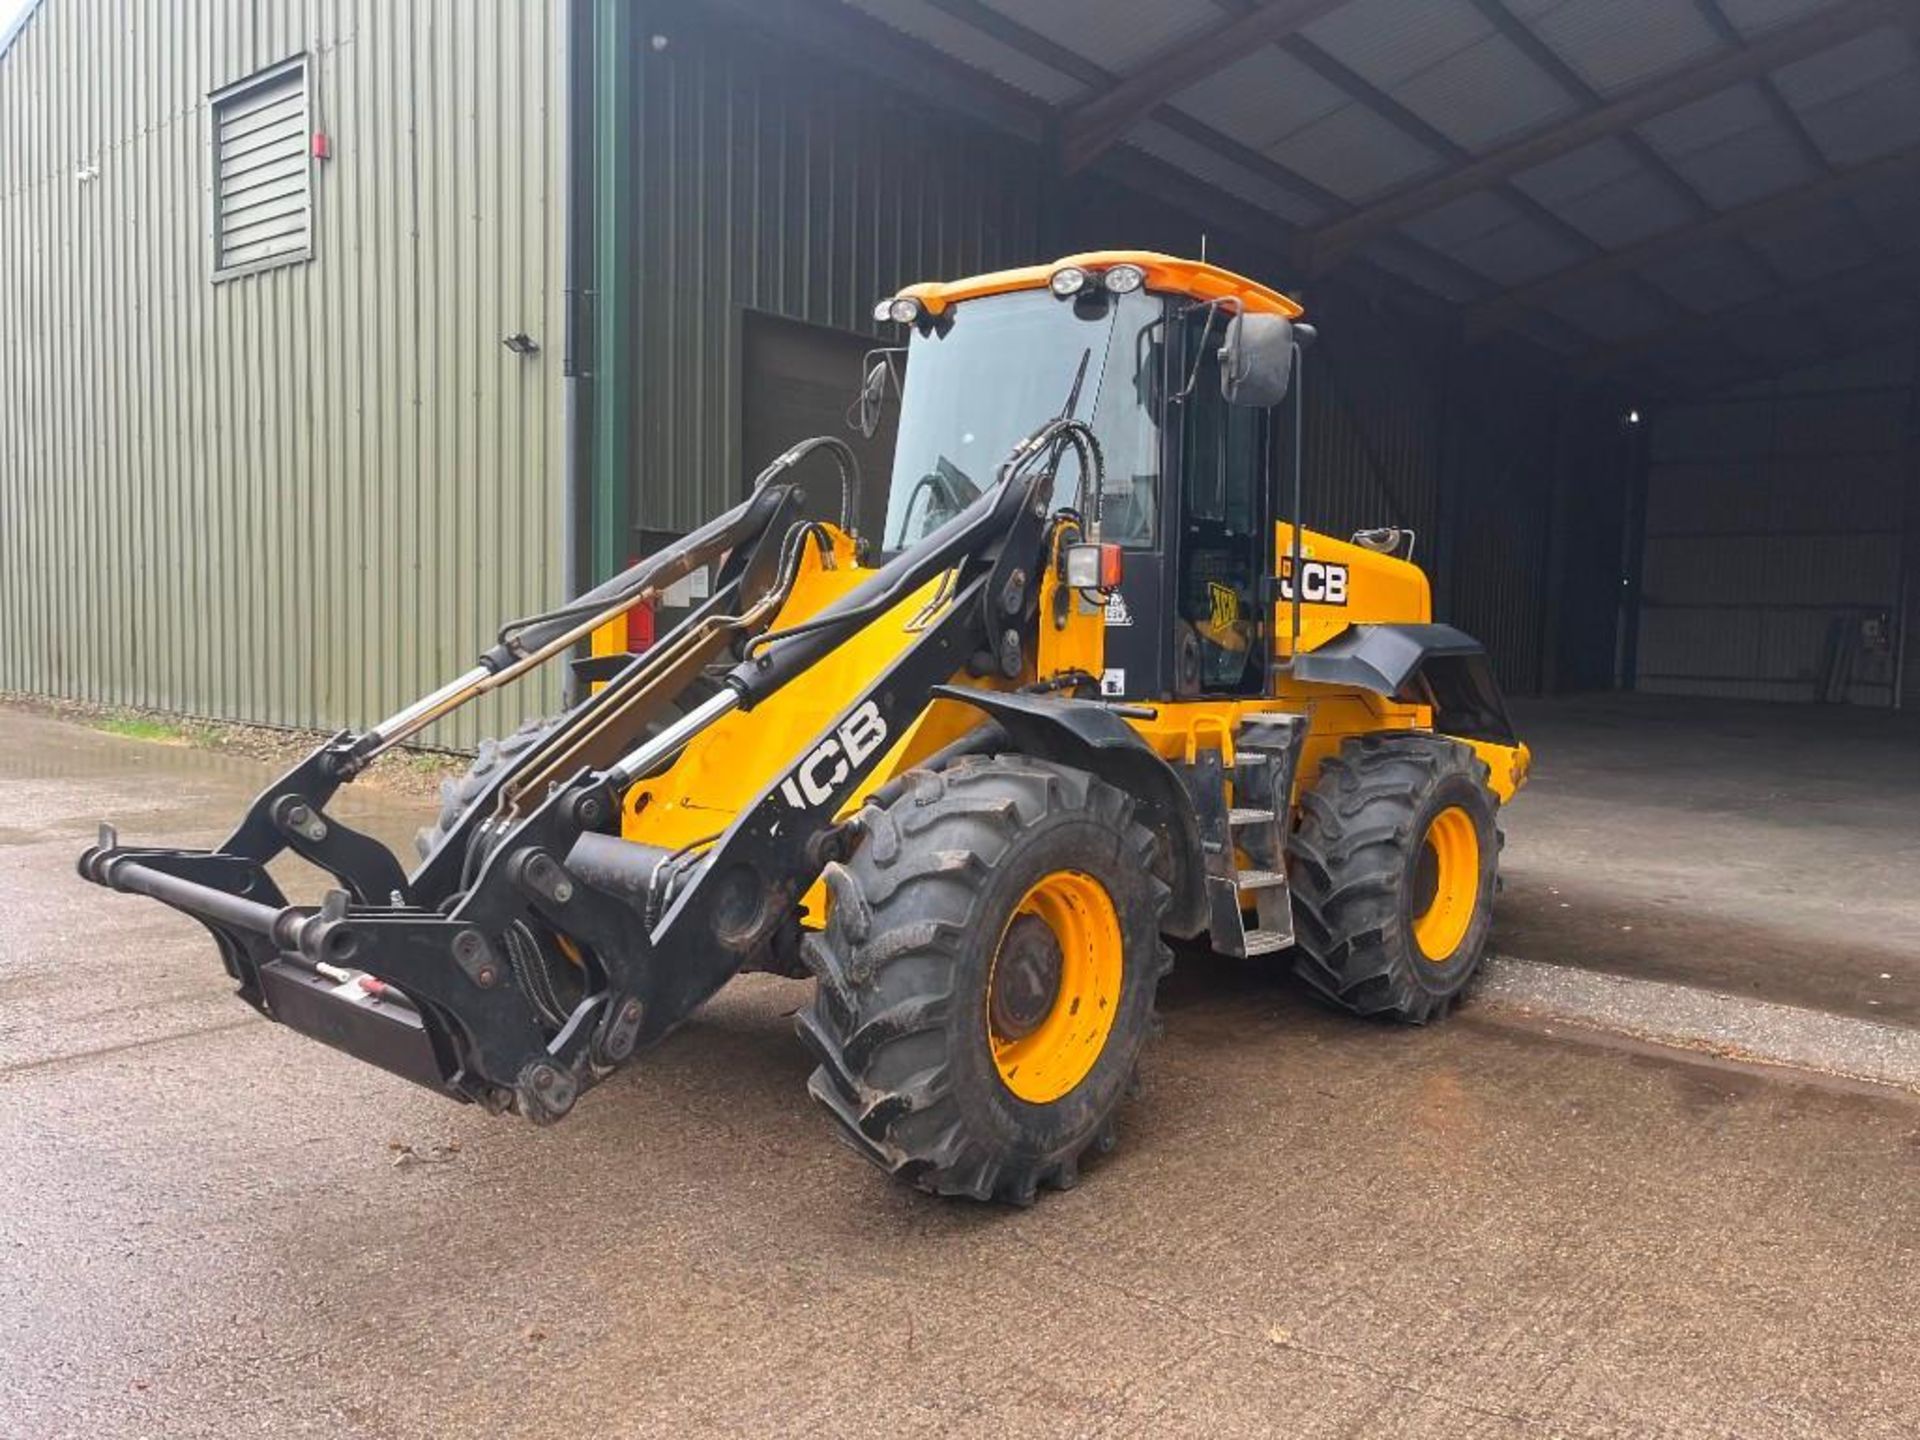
[(1256, 360), (873, 399), (870, 405)]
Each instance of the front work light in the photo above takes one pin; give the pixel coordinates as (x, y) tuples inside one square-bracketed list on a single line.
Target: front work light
[(901, 309), (1095, 567), (1068, 280), (1123, 278)]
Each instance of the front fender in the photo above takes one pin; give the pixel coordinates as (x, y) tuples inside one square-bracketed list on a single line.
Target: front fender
[(1090, 737)]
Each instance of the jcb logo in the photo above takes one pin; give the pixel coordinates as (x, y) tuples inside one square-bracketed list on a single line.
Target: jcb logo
[(1320, 583), (814, 780)]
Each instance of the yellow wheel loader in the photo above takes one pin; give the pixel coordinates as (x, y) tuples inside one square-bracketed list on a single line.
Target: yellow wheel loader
[(1093, 687)]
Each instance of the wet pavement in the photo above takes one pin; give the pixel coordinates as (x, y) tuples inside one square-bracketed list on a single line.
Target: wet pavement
[(210, 1226)]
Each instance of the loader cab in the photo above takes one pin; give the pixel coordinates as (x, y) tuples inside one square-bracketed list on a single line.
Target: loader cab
[(1189, 477)]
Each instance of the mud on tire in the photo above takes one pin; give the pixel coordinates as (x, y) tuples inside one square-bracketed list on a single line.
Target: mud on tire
[(899, 1019)]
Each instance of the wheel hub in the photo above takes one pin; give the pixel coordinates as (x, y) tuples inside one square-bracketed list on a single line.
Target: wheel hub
[(1026, 978), (1446, 882), (1054, 986)]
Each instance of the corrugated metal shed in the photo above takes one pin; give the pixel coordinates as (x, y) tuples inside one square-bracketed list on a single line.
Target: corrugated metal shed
[(762, 189), (301, 496)]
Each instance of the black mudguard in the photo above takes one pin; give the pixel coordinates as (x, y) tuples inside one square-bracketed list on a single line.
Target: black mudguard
[(1090, 737), (1434, 665)]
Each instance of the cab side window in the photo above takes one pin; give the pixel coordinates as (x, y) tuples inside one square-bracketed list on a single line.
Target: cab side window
[(1222, 554)]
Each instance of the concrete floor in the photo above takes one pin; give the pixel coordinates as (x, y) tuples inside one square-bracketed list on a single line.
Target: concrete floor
[(210, 1226), (1763, 850)]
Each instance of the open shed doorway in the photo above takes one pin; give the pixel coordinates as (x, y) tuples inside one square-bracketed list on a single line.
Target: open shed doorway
[(799, 380)]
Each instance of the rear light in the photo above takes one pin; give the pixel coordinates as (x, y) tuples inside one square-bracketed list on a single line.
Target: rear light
[(1095, 567)]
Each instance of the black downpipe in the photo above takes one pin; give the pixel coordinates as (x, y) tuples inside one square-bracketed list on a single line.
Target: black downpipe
[(574, 21)]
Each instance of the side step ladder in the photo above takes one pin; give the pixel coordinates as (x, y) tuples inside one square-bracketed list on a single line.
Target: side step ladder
[(1254, 823)]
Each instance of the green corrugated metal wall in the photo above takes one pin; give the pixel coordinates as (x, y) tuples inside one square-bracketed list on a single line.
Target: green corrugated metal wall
[(298, 497)]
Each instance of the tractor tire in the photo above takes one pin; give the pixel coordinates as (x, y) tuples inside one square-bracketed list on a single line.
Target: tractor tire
[(457, 795), (986, 977), (1393, 867)]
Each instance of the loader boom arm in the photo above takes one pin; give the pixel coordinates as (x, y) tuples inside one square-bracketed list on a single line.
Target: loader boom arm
[(417, 973)]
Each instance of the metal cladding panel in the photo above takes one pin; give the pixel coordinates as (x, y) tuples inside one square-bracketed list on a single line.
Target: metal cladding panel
[(1225, 174), (1746, 167), (1389, 41), (1456, 225), (1821, 240), (1517, 253), (1772, 521), (1711, 279), (1115, 34), (1879, 119), (1618, 43), (1846, 69), (1753, 17), (1623, 212), (1485, 94), (966, 43), (1355, 152), (301, 496), (1613, 310), (1262, 97), (1501, 445), (761, 188), (1424, 270), (1373, 429)]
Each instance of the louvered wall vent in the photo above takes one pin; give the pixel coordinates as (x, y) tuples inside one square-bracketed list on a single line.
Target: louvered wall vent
[(262, 177)]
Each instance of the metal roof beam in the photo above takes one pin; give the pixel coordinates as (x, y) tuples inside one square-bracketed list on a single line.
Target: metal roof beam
[(1521, 37), (1893, 274), (1495, 314), (1095, 124), (1027, 41), (843, 34), (1035, 46), (1895, 321), (1822, 30), (1363, 92)]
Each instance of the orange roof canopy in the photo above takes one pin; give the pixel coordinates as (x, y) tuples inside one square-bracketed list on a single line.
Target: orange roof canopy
[(1164, 272)]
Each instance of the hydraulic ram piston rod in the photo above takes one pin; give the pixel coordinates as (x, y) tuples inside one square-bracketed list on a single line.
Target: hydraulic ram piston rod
[(662, 746)]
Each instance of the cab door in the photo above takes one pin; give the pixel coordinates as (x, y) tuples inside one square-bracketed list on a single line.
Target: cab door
[(1221, 531)]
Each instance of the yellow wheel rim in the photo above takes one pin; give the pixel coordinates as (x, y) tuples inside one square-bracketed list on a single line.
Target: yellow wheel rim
[(1054, 986), (1446, 884)]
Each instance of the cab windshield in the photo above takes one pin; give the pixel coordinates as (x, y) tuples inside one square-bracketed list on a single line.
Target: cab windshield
[(1002, 366)]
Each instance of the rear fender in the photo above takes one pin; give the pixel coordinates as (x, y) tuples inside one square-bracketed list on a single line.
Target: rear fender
[(1091, 737), (1433, 665)]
